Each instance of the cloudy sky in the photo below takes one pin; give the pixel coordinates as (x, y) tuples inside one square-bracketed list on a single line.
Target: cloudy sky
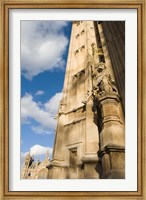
[(44, 48)]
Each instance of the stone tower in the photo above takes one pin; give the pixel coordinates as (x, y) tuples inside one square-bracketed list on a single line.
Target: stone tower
[(35, 170), (89, 140)]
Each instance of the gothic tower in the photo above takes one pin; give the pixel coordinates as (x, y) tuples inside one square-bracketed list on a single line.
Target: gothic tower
[(35, 170), (89, 140)]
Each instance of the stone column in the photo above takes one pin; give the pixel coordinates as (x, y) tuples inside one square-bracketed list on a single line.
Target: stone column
[(111, 154), (112, 147), (90, 158)]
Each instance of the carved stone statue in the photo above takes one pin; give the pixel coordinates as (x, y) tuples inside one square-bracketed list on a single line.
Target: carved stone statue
[(61, 107), (103, 82)]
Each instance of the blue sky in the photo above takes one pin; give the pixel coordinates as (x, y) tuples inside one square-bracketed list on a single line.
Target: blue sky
[(44, 49)]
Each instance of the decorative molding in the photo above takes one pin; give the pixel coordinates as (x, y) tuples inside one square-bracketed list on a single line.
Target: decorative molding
[(110, 148)]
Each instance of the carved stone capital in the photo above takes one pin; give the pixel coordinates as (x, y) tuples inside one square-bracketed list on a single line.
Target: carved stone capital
[(108, 97)]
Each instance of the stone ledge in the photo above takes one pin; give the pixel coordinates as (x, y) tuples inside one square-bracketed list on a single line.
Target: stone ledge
[(108, 96), (111, 148), (75, 121), (57, 163), (89, 159)]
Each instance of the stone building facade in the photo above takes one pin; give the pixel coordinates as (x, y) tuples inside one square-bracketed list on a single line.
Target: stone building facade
[(90, 134), (35, 170)]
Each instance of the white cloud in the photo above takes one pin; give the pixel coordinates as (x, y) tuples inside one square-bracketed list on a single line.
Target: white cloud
[(35, 151), (23, 155), (38, 150), (41, 130), (25, 121), (43, 44), (53, 103), (39, 92), (43, 114), (30, 109)]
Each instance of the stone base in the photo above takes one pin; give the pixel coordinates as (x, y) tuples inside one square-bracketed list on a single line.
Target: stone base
[(57, 170), (112, 162), (116, 174), (89, 163)]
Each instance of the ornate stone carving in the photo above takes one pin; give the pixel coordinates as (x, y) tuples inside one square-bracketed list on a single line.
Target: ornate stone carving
[(77, 75), (61, 108), (27, 159), (82, 32), (46, 161), (77, 36), (77, 51), (103, 81), (96, 50), (87, 98), (82, 48)]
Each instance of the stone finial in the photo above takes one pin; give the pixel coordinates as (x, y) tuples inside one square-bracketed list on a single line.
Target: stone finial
[(27, 159), (47, 154), (27, 156)]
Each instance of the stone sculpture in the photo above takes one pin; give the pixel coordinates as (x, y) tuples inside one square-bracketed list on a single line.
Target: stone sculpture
[(103, 81)]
